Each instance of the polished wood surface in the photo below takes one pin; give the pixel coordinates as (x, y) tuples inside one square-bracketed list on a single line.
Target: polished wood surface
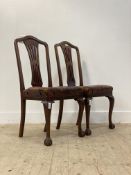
[(88, 91), (46, 94)]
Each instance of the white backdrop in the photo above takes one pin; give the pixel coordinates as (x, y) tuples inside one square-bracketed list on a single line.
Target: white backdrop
[(101, 29)]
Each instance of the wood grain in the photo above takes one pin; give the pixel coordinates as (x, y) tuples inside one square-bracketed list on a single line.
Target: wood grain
[(106, 152)]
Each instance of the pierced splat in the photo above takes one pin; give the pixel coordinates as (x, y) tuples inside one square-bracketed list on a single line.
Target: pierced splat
[(32, 48), (69, 64)]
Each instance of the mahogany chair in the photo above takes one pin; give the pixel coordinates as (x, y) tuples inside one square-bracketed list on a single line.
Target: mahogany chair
[(88, 91), (45, 94)]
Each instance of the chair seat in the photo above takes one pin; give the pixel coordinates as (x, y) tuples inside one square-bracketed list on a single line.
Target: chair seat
[(53, 93), (97, 90), (67, 92)]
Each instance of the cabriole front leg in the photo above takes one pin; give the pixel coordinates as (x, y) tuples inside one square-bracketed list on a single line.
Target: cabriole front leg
[(44, 128), (47, 109)]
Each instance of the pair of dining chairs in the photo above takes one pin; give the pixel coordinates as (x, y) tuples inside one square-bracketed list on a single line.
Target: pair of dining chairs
[(47, 95)]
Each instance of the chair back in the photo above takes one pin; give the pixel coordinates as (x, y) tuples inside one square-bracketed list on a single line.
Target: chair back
[(66, 48), (32, 46)]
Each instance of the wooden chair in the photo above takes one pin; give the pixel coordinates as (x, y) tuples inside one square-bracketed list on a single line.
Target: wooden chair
[(88, 91), (45, 94)]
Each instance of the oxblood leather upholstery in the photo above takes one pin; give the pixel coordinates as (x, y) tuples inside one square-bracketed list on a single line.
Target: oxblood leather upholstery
[(54, 93), (97, 90), (67, 92)]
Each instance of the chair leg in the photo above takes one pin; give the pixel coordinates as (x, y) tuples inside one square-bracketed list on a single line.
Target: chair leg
[(87, 110), (47, 110), (111, 105), (60, 114), (44, 128), (81, 133), (78, 115), (22, 122)]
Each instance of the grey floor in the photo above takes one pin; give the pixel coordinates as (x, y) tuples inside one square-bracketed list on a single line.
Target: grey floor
[(105, 152)]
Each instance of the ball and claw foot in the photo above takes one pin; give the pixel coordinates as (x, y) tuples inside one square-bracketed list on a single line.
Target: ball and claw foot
[(88, 131), (81, 133), (111, 126), (48, 141)]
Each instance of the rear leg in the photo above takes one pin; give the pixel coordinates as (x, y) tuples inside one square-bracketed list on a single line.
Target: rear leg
[(22, 122), (87, 110), (60, 114), (81, 133), (111, 105), (78, 115)]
